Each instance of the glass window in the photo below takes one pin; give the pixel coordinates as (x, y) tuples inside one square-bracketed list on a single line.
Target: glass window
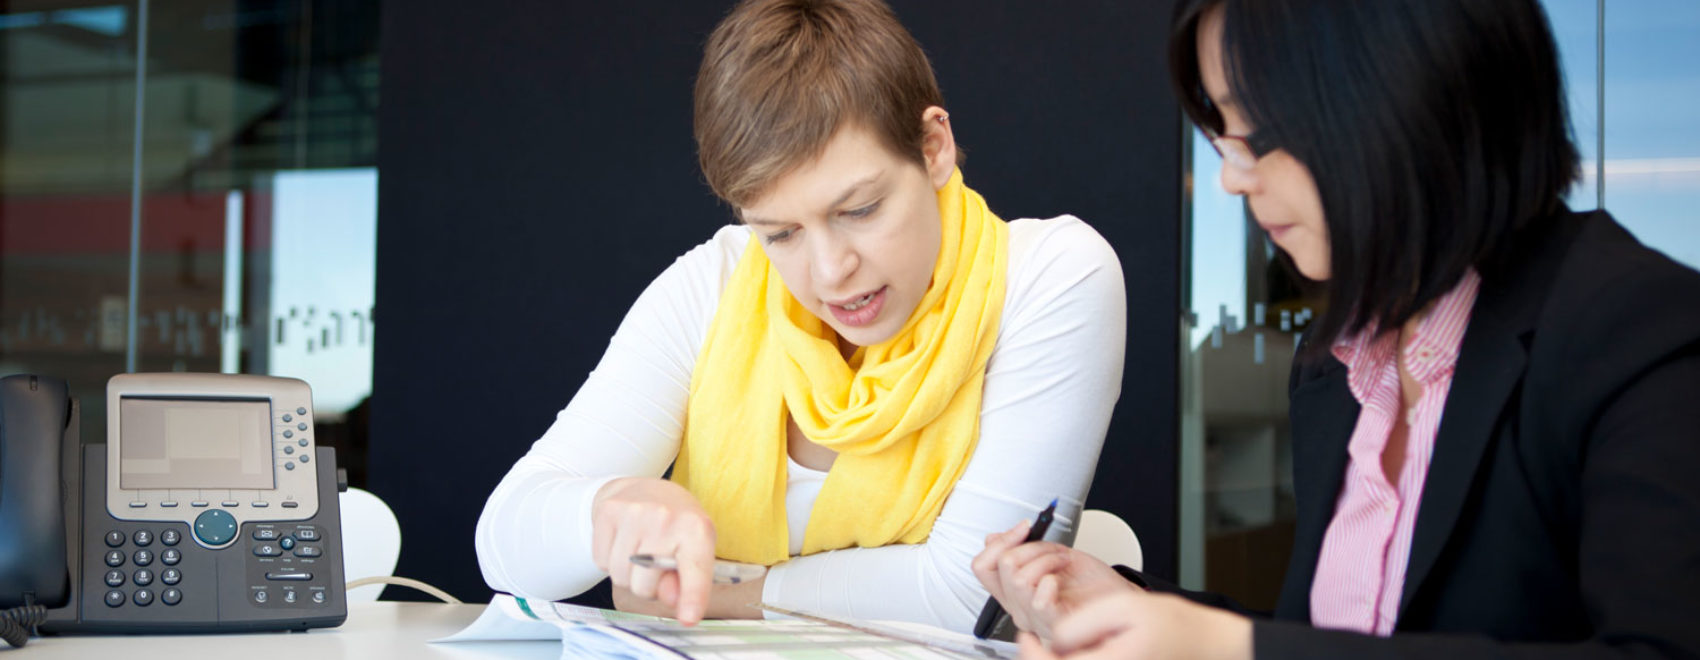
[(1652, 146), (1244, 319), (251, 187)]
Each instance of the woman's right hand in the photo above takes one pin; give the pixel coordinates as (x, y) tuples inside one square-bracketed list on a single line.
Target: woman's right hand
[(642, 515)]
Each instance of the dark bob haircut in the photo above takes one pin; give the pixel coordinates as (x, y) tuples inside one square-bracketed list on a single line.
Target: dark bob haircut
[(1433, 128)]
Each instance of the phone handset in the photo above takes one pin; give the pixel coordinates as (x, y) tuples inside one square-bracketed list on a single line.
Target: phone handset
[(35, 415)]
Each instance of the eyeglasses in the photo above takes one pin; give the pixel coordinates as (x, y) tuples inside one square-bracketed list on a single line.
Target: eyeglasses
[(1240, 151)]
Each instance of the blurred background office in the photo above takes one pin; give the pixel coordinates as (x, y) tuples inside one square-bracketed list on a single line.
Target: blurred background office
[(241, 185)]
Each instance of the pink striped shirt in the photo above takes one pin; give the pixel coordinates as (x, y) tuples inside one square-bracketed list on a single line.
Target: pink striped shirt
[(1360, 574)]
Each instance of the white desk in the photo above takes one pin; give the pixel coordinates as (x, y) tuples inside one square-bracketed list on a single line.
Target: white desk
[(376, 630)]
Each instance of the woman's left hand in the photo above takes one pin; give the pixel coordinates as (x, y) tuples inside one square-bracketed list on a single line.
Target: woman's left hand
[(1039, 581), (1134, 624)]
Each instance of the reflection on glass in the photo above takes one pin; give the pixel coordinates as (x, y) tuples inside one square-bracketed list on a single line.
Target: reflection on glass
[(1245, 318), (68, 92), (324, 234), (253, 113)]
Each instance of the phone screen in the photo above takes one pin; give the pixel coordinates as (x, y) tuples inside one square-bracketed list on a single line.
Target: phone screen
[(195, 444)]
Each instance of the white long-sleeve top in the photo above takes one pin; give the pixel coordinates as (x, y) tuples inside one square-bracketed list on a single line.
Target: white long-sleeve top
[(1051, 382)]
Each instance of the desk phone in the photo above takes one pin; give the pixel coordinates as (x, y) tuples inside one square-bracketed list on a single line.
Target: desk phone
[(209, 508)]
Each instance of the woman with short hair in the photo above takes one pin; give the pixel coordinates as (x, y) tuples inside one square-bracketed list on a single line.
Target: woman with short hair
[(854, 386)]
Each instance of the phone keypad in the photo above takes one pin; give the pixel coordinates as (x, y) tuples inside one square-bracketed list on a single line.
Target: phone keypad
[(118, 557)]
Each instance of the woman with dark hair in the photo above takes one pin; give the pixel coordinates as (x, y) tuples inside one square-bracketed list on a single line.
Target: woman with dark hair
[(1496, 437)]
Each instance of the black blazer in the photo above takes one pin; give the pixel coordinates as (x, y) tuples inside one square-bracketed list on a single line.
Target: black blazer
[(1561, 513)]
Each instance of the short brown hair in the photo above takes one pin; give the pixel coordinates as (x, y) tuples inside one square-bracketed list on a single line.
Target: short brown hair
[(779, 77)]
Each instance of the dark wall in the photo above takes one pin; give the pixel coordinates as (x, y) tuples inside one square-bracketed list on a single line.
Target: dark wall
[(537, 170)]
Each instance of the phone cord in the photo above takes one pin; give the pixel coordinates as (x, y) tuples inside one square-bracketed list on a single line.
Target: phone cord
[(16, 623)]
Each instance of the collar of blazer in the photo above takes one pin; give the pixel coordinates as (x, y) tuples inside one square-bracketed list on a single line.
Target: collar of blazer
[(1491, 363)]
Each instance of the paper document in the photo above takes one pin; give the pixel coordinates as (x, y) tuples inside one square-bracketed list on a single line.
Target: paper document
[(587, 632), (957, 643)]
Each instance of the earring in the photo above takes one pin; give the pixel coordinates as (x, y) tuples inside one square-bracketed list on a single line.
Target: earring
[(941, 118)]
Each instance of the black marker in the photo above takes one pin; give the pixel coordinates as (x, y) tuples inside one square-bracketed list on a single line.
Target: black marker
[(993, 612)]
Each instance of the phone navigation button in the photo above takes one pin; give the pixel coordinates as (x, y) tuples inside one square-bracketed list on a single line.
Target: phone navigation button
[(215, 527)]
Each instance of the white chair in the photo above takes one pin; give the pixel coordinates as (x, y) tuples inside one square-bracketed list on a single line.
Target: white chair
[(371, 542), (1106, 536)]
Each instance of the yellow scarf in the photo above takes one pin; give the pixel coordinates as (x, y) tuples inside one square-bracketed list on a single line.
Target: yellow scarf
[(903, 415)]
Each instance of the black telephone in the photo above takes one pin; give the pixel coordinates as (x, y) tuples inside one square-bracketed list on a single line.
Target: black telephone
[(209, 508)]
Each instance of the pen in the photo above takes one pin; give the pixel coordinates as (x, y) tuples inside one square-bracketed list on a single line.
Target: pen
[(993, 612), (725, 572)]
